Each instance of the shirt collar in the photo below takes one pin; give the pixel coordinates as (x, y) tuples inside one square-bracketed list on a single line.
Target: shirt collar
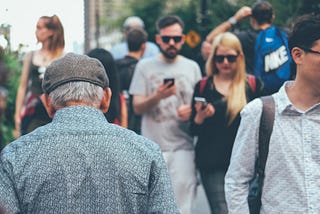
[(78, 113), (284, 104)]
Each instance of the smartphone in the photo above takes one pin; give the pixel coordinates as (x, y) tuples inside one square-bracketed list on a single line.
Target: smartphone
[(201, 100), (165, 80)]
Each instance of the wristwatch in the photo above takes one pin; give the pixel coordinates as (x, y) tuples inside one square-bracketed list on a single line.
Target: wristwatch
[(232, 20)]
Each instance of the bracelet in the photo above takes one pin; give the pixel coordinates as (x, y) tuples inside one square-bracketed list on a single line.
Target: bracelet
[(232, 20)]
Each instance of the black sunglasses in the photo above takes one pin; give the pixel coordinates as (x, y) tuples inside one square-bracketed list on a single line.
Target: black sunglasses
[(166, 39), (310, 51), (220, 58)]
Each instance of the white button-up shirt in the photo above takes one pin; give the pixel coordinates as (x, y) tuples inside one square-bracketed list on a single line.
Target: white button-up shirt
[(292, 173)]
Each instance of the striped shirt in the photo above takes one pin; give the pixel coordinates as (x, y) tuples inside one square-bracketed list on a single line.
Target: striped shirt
[(292, 173)]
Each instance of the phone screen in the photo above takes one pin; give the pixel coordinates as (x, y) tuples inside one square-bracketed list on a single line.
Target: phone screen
[(165, 80), (201, 100)]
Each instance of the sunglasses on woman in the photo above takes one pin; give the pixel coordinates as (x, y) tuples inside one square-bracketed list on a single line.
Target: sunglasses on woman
[(166, 39), (220, 58)]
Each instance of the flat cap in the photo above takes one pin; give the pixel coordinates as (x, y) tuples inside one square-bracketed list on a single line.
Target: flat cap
[(74, 67)]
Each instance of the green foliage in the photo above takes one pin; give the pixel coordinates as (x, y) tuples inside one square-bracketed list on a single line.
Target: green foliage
[(149, 11), (7, 121), (282, 9)]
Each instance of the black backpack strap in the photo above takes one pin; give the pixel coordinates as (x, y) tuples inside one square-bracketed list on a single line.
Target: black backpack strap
[(265, 130)]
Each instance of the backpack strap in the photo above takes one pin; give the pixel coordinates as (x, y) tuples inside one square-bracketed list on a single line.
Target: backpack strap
[(252, 82), (265, 130), (203, 83)]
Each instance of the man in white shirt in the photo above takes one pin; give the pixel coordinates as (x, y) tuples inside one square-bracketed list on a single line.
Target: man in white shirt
[(166, 106), (292, 172)]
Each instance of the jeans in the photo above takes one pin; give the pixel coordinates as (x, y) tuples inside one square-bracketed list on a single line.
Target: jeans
[(213, 184)]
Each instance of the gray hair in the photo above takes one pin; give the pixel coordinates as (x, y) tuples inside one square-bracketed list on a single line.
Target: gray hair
[(76, 92)]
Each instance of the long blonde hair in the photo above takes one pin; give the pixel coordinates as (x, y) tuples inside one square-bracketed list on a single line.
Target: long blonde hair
[(236, 98)]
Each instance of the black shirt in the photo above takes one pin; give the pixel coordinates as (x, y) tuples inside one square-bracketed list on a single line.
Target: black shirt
[(248, 40), (215, 137)]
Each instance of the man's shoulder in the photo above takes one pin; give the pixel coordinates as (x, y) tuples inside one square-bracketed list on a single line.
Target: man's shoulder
[(190, 63), (253, 108), (126, 61), (149, 61), (152, 45), (247, 35), (136, 143), (188, 60), (22, 146)]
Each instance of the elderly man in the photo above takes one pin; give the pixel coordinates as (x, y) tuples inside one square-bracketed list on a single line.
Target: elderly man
[(80, 163), (120, 50)]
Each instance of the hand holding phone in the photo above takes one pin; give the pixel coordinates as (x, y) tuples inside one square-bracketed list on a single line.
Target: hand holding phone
[(166, 80), (201, 100)]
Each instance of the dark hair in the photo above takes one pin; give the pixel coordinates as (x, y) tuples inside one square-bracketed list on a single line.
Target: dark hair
[(169, 20), (57, 39), (262, 12), (305, 31), (135, 38), (108, 62)]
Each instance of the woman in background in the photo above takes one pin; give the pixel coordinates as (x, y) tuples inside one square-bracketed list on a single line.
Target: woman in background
[(29, 112), (117, 112), (215, 121)]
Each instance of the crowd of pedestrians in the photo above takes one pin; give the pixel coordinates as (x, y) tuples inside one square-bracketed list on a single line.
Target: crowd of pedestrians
[(126, 130)]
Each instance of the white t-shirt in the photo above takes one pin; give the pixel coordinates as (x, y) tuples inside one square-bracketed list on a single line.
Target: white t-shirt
[(162, 124)]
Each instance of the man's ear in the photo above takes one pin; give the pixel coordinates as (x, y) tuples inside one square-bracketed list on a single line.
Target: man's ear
[(158, 39), (45, 99), (105, 102), (297, 55), (183, 39)]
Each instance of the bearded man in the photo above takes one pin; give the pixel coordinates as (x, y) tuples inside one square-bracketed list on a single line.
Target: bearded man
[(162, 89)]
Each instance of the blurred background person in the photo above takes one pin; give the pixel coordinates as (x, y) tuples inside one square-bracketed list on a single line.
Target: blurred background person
[(136, 40), (215, 120), (265, 45), (162, 88), (117, 112), (203, 55), (30, 112), (119, 50)]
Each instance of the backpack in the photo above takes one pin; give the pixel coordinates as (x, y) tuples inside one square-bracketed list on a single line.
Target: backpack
[(272, 59), (265, 130), (251, 81), (125, 67)]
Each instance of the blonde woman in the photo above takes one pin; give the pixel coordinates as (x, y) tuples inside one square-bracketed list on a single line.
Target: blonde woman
[(30, 113), (215, 113)]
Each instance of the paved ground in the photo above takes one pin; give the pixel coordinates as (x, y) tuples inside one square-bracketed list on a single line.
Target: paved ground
[(201, 204)]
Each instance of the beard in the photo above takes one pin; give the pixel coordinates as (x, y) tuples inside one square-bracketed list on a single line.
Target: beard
[(170, 53)]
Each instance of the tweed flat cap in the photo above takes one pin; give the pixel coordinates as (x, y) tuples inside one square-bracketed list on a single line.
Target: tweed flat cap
[(74, 67)]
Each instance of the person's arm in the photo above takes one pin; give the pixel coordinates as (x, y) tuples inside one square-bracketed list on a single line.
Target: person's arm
[(143, 104), (241, 14), (21, 93), (161, 196), (123, 112), (8, 198), (243, 158)]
